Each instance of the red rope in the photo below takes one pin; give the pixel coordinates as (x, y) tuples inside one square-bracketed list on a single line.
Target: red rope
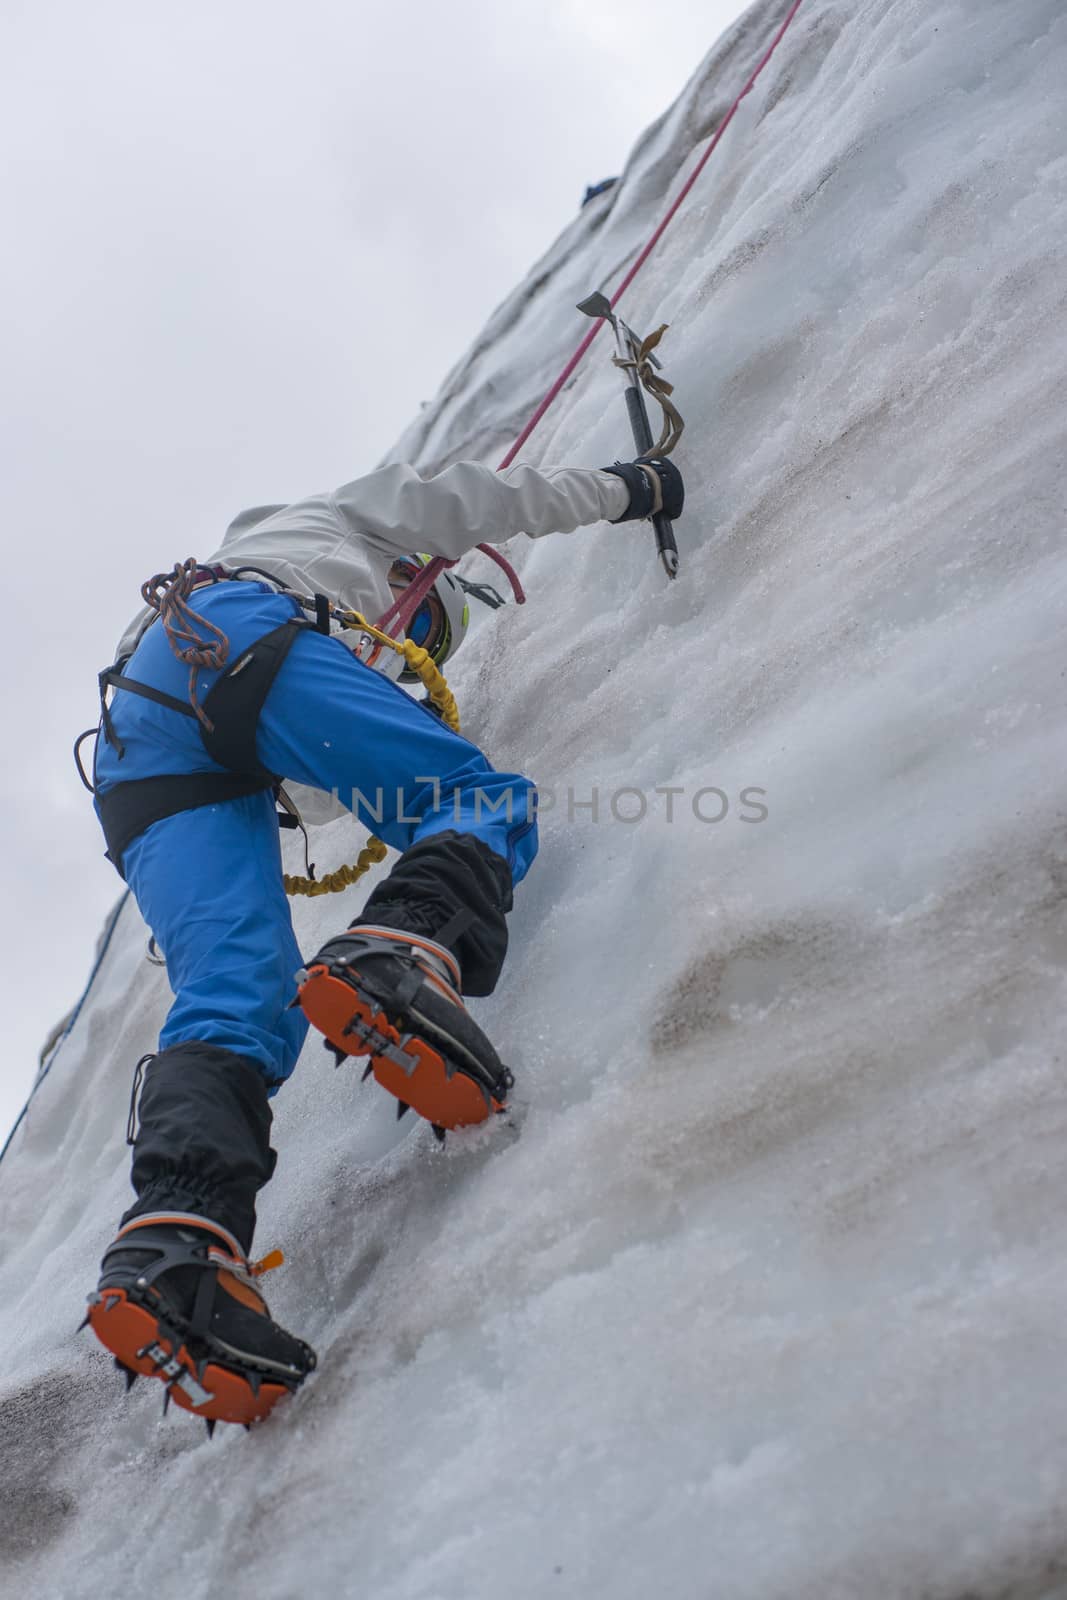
[(432, 571), (648, 249), (395, 621)]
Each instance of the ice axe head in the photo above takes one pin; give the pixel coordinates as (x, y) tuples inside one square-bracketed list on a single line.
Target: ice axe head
[(596, 306)]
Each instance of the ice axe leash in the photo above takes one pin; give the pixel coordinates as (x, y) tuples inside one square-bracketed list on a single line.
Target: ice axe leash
[(641, 368)]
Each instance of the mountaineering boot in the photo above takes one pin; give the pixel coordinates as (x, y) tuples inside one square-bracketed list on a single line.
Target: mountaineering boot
[(395, 996), (177, 1300)]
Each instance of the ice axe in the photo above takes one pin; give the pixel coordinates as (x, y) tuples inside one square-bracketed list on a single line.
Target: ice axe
[(635, 359)]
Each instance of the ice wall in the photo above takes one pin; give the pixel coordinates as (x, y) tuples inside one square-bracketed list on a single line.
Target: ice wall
[(760, 1294)]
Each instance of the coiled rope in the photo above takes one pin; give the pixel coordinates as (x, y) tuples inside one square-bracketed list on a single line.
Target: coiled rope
[(167, 594)]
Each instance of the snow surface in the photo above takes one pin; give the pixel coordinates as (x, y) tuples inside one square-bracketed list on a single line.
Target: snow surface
[(761, 1293)]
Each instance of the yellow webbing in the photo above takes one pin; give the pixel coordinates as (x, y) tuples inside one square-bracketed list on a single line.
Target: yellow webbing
[(373, 851), (418, 661)]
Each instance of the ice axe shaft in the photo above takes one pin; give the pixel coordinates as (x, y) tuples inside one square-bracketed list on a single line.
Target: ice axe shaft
[(627, 344)]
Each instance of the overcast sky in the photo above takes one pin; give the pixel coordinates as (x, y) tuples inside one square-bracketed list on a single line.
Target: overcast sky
[(243, 242)]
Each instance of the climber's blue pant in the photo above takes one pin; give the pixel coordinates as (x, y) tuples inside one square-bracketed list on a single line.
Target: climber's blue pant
[(209, 881)]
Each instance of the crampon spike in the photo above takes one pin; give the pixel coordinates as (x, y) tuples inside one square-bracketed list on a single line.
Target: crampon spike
[(203, 1379), (438, 1132), (84, 1323), (454, 1088), (401, 1109), (209, 1424)]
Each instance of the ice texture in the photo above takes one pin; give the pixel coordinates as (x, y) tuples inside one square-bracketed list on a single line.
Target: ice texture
[(760, 1295)]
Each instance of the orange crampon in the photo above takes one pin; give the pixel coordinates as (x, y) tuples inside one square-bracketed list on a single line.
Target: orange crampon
[(378, 993), (212, 1343)]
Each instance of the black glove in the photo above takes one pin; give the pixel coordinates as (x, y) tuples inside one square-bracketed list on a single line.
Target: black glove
[(654, 485)]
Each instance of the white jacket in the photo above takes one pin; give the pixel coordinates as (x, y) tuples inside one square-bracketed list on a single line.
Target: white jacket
[(343, 544)]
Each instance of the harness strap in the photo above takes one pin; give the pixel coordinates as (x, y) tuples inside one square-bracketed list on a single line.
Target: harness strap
[(129, 808), (113, 678), (232, 707), (236, 698)]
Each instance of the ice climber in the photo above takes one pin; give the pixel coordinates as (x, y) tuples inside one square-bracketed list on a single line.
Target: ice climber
[(223, 687)]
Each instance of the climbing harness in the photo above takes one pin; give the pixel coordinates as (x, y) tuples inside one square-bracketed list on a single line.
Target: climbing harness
[(428, 576), (230, 712), (227, 718)]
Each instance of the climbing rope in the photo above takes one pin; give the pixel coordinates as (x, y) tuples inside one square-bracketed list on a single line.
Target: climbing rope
[(176, 586), (576, 358), (167, 594), (375, 850), (400, 613), (433, 569)]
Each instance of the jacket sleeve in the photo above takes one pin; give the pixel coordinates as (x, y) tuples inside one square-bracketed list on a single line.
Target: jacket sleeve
[(399, 512)]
